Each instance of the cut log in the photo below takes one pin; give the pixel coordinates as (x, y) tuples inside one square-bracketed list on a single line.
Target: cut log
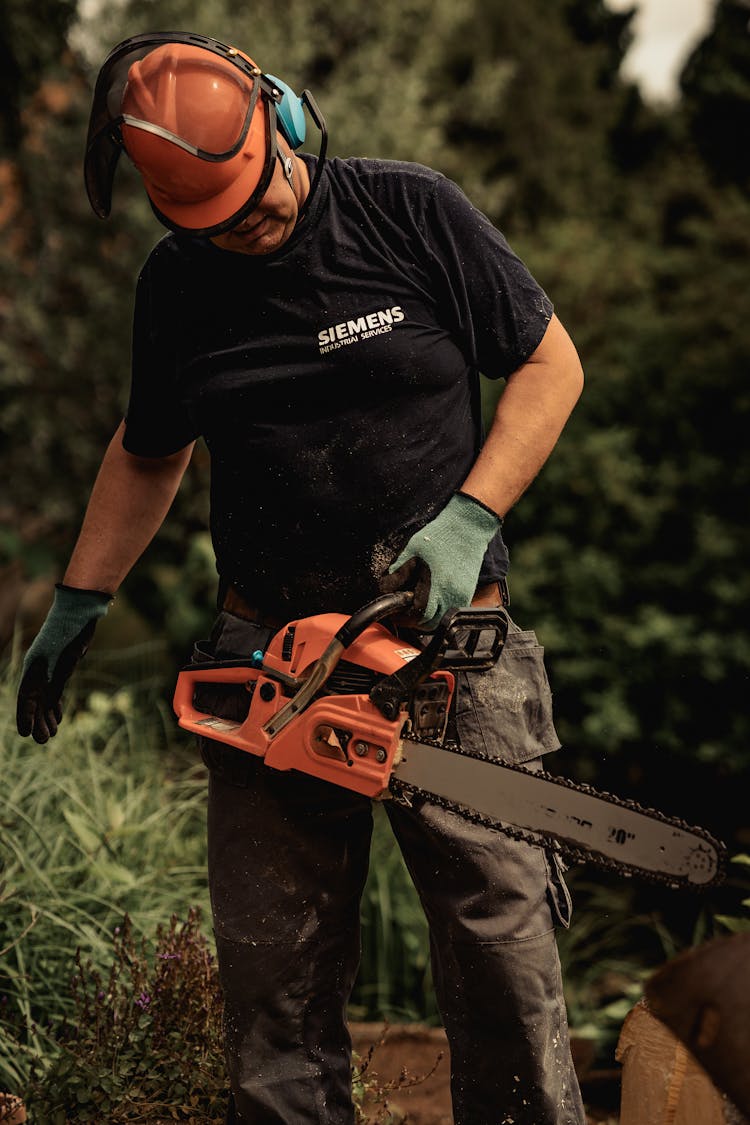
[(662, 1084), (12, 1111), (703, 997)]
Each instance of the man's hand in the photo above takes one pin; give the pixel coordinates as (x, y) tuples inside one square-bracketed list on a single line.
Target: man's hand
[(441, 561), (60, 644)]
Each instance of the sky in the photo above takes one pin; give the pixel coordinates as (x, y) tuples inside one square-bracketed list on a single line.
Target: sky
[(665, 33)]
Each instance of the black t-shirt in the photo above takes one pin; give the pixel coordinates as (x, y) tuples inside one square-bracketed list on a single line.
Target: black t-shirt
[(335, 381)]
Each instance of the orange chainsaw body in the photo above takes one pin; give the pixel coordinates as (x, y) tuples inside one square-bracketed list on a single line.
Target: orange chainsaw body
[(343, 737)]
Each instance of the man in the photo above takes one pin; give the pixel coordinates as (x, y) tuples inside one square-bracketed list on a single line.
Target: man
[(321, 324)]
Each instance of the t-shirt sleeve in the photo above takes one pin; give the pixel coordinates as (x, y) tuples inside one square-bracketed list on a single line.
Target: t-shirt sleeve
[(156, 422), (497, 309)]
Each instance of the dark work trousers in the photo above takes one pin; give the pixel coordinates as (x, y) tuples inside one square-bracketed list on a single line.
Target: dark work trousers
[(288, 859)]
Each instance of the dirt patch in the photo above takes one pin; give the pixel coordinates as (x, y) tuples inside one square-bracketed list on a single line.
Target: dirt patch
[(411, 1063)]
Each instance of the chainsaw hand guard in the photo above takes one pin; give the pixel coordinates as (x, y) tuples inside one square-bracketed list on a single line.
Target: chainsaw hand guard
[(465, 639)]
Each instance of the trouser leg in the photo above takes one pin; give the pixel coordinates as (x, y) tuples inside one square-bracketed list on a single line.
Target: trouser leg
[(491, 902), (287, 864)]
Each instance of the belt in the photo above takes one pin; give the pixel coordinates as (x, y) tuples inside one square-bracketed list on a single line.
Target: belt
[(236, 604), (493, 593)]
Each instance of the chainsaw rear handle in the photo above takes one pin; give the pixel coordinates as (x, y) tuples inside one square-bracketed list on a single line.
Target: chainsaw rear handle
[(214, 672), (471, 637)]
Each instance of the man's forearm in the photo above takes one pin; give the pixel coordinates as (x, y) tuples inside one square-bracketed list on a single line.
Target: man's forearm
[(129, 500), (529, 419)]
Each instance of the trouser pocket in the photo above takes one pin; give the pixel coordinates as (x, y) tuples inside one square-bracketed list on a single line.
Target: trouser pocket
[(506, 711)]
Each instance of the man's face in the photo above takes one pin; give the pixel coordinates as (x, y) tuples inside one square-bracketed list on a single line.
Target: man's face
[(270, 224)]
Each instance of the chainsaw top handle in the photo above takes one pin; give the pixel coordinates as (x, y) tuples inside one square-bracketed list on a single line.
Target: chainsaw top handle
[(372, 612)]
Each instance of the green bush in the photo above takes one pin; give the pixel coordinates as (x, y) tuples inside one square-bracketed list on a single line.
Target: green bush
[(145, 1044)]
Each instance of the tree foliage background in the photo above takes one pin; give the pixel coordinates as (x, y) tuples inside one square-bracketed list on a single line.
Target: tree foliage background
[(630, 552)]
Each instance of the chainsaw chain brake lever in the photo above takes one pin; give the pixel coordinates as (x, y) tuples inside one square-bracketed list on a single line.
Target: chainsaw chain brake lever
[(469, 639)]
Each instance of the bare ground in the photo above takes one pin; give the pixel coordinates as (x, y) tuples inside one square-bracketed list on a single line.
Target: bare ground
[(411, 1064)]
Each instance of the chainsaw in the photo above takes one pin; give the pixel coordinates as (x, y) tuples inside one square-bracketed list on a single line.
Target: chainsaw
[(344, 699)]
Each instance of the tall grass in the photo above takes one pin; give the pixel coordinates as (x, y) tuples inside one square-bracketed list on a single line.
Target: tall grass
[(394, 982), (102, 835), (104, 821), (107, 821)]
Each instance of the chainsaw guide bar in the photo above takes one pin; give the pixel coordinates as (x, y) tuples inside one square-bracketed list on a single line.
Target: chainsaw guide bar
[(580, 823)]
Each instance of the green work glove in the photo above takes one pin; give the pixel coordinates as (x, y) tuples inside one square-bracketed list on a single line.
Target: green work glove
[(54, 653), (441, 561)]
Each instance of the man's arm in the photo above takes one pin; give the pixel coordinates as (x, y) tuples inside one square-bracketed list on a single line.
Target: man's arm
[(130, 498), (129, 501), (442, 561), (529, 419)]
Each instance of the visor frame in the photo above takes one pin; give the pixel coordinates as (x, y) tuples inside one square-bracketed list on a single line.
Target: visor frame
[(183, 143)]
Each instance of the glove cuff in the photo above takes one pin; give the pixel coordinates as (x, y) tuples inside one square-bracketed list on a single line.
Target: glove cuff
[(72, 597), (83, 604), (71, 612), (476, 513), (474, 500)]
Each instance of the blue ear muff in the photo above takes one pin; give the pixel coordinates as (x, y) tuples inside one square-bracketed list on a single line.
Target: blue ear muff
[(290, 114)]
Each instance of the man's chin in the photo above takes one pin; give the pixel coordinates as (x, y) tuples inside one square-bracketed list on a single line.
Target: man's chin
[(267, 236)]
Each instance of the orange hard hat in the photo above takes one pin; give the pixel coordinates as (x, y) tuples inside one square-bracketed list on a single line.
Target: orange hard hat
[(196, 130), (198, 119)]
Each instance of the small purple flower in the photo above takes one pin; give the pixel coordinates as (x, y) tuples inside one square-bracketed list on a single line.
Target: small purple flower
[(143, 1000), (168, 956)]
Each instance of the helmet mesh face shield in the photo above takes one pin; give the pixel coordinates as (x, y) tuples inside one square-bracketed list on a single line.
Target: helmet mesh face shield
[(198, 120)]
